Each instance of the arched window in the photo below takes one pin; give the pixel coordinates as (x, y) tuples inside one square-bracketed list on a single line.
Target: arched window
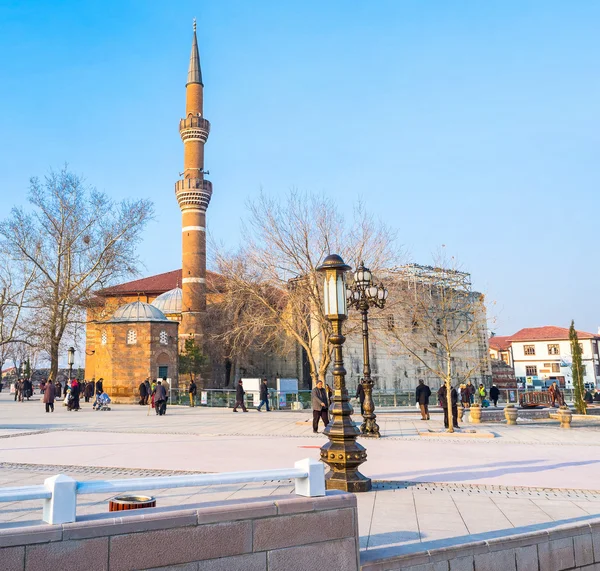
[(163, 338), (131, 337), (104, 338)]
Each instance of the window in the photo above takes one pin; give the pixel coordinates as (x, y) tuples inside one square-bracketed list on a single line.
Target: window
[(556, 367), (438, 326), (390, 322), (163, 338), (584, 370), (131, 337), (104, 338), (529, 349), (554, 349), (531, 370), (415, 325), (433, 345)]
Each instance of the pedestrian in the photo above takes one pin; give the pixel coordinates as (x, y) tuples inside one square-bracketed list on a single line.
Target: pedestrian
[(75, 393), (193, 389), (471, 392), (18, 387), (481, 393), (27, 388), (49, 396), (329, 394), (443, 398), (99, 388), (588, 398), (264, 396), (318, 399), (239, 397), (556, 395), (422, 394), (494, 395), (148, 390), (143, 393), (160, 399), (89, 390), (465, 396), (360, 395), (58, 389)]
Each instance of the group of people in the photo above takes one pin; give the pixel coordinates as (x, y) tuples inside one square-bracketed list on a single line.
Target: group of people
[(155, 394), (72, 391)]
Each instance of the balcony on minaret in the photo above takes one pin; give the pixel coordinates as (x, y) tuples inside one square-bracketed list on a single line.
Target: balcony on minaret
[(193, 193), (194, 128)]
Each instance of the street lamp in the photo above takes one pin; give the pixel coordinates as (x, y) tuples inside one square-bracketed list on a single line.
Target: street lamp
[(71, 361), (342, 453), (363, 294)]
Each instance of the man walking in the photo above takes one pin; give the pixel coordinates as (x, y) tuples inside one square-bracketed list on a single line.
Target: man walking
[(49, 396), (264, 396), (471, 391), (422, 393), (143, 393), (239, 397), (443, 398), (319, 406), (160, 399), (494, 394), (360, 395), (193, 389)]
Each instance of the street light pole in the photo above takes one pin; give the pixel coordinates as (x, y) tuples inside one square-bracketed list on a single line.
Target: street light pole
[(342, 453), (71, 361), (362, 294)]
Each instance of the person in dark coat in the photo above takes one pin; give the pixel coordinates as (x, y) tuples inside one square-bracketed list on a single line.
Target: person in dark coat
[(49, 396), (318, 398), (264, 396), (588, 398), (494, 394), (89, 390), (422, 394), (27, 389), (57, 389), (99, 388), (143, 394), (160, 399), (443, 398), (148, 390), (360, 395), (75, 393), (192, 390), (239, 397)]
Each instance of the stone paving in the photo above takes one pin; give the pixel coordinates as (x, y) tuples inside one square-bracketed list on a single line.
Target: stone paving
[(428, 491)]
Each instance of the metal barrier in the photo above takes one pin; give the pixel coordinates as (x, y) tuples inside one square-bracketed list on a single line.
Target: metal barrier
[(60, 492)]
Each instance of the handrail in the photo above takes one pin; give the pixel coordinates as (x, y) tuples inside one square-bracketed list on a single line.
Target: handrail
[(60, 492), (136, 484), (23, 493)]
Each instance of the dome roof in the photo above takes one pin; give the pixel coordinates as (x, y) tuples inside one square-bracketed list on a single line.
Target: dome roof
[(169, 302), (138, 311)]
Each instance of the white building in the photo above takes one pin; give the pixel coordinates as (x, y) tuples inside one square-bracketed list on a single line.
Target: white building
[(541, 355)]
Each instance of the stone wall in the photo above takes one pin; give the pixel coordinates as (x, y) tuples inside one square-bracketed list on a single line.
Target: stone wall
[(296, 534), (572, 547)]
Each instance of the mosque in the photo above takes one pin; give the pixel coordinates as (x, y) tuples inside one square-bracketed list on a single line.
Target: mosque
[(135, 330)]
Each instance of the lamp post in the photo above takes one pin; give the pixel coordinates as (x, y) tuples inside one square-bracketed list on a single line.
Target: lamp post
[(71, 361), (342, 453), (363, 294)]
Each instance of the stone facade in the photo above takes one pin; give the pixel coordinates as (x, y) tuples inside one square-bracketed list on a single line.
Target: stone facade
[(128, 353)]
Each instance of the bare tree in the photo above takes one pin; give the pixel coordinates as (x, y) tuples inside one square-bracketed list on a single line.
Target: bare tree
[(440, 322), (76, 240), (273, 294)]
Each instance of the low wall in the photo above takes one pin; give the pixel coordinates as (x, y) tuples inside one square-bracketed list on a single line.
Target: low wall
[(295, 534), (573, 547)]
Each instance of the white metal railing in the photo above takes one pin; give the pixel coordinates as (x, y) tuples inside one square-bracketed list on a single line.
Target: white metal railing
[(59, 493)]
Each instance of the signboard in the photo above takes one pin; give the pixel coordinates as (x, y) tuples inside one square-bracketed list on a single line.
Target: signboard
[(287, 385), (529, 381), (204, 398), (282, 400), (252, 388)]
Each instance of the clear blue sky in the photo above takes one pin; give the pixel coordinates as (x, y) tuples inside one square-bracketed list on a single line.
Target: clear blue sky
[(470, 124)]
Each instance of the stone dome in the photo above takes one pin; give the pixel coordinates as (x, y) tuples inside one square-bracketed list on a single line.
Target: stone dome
[(170, 302), (138, 311)]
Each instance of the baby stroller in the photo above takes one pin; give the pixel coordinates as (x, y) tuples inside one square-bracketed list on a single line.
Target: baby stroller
[(102, 401)]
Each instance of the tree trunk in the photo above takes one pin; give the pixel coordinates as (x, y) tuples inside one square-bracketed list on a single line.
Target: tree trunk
[(449, 393), (54, 345)]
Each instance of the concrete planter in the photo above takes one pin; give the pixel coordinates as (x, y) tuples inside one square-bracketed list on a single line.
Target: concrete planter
[(475, 412), (565, 416), (510, 413)]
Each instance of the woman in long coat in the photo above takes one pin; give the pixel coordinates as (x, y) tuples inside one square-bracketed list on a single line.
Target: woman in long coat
[(49, 396)]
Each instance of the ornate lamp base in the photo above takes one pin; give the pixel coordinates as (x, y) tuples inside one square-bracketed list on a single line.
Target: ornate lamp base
[(369, 427), (343, 460)]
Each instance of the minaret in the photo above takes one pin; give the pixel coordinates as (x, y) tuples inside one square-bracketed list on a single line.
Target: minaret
[(193, 195)]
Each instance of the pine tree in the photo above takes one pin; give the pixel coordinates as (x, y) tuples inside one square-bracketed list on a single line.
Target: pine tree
[(577, 371), (192, 360)]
